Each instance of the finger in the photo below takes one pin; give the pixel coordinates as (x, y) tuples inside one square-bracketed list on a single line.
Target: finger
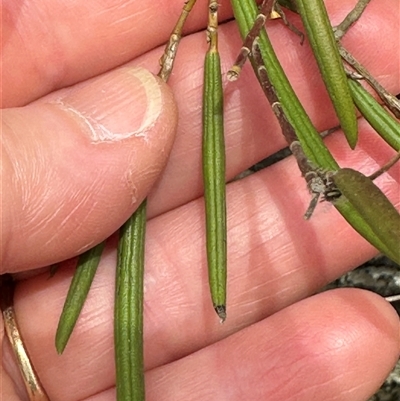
[(275, 259), (87, 40), (76, 167), (251, 130), (314, 349), (8, 389), (53, 44)]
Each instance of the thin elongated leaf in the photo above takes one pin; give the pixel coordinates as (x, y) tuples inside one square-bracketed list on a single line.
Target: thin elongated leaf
[(383, 123), (128, 313), (322, 40), (77, 294), (214, 171), (245, 12)]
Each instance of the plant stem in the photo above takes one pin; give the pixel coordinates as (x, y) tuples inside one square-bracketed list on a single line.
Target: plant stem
[(350, 19), (168, 58)]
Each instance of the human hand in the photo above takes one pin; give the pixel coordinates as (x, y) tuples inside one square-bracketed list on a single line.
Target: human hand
[(65, 193)]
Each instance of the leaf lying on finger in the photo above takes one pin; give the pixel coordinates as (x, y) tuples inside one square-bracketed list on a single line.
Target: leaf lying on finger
[(128, 312), (77, 294), (383, 123), (322, 40), (311, 143), (214, 170), (245, 12)]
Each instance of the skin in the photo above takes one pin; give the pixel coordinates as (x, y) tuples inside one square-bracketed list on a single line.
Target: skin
[(280, 342)]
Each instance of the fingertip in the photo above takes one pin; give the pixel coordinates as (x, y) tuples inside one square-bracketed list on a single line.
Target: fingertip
[(360, 344), (372, 309), (79, 162), (342, 342), (339, 344)]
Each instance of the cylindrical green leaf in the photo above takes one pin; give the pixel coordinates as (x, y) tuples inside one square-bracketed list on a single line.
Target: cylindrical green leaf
[(383, 123), (245, 12), (214, 180), (128, 314), (77, 294), (322, 40)]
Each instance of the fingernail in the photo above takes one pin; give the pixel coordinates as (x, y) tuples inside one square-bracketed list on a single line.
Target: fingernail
[(117, 105)]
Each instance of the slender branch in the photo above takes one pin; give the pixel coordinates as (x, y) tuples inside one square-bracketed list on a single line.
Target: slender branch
[(278, 10), (392, 103), (259, 22), (386, 167), (317, 182), (341, 29), (212, 27), (168, 58)]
